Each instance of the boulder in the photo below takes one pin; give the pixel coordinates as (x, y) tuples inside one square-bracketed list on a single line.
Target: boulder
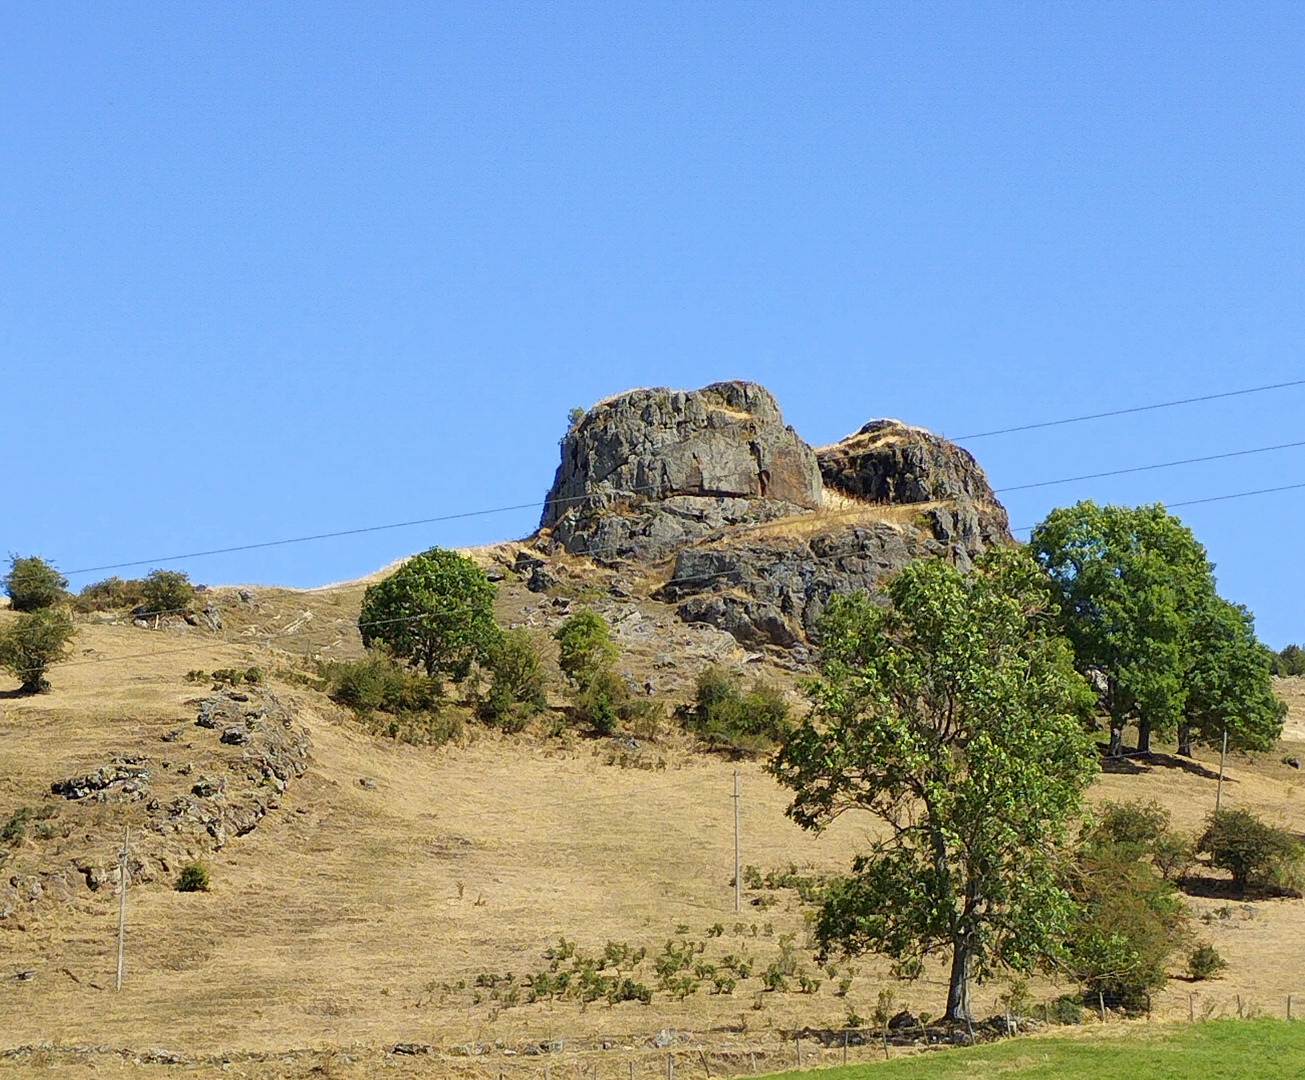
[(648, 471), (887, 461)]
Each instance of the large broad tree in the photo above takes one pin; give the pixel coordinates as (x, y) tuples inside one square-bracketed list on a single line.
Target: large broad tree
[(1228, 681), (1131, 582), (953, 713), (436, 611)]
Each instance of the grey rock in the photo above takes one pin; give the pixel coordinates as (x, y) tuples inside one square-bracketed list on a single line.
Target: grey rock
[(1294, 762), (219, 711), (411, 1048), (236, 736), (647, 471), (119, 772), (542, 579)]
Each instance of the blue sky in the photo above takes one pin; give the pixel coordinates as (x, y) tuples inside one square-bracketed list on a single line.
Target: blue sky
[(272, 269)]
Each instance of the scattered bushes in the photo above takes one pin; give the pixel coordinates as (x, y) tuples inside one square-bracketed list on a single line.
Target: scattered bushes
[(1143, 831), (1260, 857), (435, 612), (393, 700), (14, 830), (33, 642), (193, 878), (33, 584), (1205, 963), (111, 594), (517, 682), (166, 592), (600, 698), (725, 716)]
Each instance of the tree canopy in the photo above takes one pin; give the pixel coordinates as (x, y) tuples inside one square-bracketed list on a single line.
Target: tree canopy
[(1138, 603), (32, 584), (954, 714), (436, 611)]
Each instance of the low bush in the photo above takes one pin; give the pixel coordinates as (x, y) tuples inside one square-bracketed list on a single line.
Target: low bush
[(14, 830), (1142, 830), (517, 682), (1260, 857), (586, 650), (393, 700), (1066, 1009), (1130, 923), (193, 878), (33, 642), (723, 715), (166, 592), (111, 594), (1205, 963), (33, 584)]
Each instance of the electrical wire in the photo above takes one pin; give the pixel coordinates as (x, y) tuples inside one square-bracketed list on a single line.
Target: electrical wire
[(1131, 411)]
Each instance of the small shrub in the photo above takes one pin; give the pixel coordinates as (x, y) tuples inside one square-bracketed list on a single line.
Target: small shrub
[(586, 650), (1130, 922), (1066, 1009), (166, 592), (14, 830), (392, 700), (516, 688), (1259, 856), (193, 878), (725, 716), (33, 584), (111, 594), (1132, 824), (1205, 962), (33, 642)]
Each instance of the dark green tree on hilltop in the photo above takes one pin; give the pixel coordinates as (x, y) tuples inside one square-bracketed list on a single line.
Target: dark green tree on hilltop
[(32, 584), (1130, 582), (1229, 682), (436, 611), (955, 715), (1167, 653)]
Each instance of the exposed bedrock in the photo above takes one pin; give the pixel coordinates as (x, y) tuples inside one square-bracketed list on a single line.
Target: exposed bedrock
[(646, 472)]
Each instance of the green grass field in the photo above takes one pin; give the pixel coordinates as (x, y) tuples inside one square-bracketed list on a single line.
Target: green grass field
[(1214, 1050)]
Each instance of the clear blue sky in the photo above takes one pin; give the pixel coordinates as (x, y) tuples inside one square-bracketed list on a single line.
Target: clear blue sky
[(269, 269)]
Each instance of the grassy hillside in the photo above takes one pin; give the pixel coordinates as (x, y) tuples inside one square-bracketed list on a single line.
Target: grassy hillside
[(367, 904)]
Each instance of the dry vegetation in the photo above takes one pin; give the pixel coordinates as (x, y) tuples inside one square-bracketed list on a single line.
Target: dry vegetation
[(361, 911)]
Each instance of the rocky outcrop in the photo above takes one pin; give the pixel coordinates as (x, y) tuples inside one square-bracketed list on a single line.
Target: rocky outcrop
[(651, 474), (887, 461), (649, 471)]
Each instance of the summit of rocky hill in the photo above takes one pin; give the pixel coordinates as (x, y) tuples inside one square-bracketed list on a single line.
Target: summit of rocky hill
[(748, 527)]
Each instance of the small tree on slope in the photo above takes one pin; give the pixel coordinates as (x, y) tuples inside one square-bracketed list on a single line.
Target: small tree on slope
[(956, 716)]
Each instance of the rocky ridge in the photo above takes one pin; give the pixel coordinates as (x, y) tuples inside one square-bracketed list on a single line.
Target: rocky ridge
[(758, 528)]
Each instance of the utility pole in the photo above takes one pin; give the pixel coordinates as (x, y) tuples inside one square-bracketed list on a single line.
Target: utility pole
[(1223, 755), (738, 878), (122, 897)]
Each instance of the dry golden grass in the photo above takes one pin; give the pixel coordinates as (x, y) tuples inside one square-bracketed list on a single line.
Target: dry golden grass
[(336, 922)]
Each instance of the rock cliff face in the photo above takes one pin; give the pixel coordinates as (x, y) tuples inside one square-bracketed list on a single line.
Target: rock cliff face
[(763, 528), (648, 471)]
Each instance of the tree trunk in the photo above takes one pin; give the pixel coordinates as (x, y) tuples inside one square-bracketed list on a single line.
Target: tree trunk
[(1144, 736), (1116, 741), (958, 991), (1185, 739)]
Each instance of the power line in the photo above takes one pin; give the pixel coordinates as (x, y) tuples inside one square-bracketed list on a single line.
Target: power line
[(1148, 468), (1134, 409), (639, 490), (1199, 502)]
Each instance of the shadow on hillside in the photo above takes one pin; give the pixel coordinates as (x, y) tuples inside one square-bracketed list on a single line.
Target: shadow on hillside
[(10, 695), (1132, 763)]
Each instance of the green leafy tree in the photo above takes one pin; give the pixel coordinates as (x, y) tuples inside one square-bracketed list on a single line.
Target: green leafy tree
[(955, 715), (436, 611), (32, 584), (166, 592), (585, 648), (1291, 661), (32, 643), (1130, 581), (1228, 681)]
